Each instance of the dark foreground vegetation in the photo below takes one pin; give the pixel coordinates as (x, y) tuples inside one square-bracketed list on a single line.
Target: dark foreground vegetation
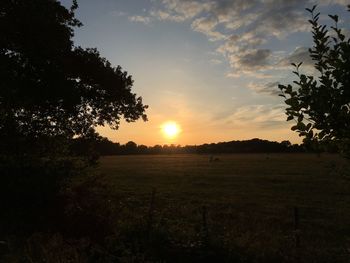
[(185, 208)]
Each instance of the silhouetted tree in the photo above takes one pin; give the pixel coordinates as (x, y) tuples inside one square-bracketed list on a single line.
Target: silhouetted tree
[(50, 92), (142, 149), (286, 144), (157, 148), (320, 104), (130, 147), (48, 86), (105, 147)]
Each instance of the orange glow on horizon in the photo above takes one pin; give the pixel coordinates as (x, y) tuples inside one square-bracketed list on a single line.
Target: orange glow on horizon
[(191, 132)]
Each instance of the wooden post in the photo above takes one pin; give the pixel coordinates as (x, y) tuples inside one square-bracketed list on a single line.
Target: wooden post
[(296, 227), (205, 231), (297, 234), (151, 211)]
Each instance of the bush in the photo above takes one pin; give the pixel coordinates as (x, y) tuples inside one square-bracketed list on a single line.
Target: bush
[(30, 188)]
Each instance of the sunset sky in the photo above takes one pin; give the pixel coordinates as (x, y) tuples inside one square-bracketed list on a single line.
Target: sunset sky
[(210, 66)]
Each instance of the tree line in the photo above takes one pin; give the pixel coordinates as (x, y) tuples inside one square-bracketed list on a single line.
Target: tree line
[(103, 146)]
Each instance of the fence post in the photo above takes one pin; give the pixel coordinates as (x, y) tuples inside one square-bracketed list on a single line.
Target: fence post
[(297, 234), (296, 227), (151, 211), (205, 231)]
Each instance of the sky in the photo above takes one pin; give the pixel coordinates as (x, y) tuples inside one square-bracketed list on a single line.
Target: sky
[(213, 67)]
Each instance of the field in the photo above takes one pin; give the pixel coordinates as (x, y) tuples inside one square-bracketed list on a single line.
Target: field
[(244, 204)]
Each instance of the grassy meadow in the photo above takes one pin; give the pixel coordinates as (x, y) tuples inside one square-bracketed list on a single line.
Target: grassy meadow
[(239, 204)]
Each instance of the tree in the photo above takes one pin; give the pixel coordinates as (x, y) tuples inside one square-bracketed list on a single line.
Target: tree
[(48, 86), (130, 147), (50, 92), (320, 104)]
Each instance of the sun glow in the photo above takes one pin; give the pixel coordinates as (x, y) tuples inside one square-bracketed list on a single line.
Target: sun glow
[(170, 129)]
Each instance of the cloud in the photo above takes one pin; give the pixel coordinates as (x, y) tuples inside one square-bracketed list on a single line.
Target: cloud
[(279, 17), (216, 61), (180, 10), (254, 59), (206, 25), (162, 15), (270, 88), (243, 27), (118, 13), (258, 116), (244, 56), (339, 2), (300, 54), (141, 19)]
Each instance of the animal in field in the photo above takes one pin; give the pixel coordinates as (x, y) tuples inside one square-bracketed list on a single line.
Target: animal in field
[(213, 159)]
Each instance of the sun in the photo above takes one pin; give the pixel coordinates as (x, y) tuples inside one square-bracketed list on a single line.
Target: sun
[(170, 129)]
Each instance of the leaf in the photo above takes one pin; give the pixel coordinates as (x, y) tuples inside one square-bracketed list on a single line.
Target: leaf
[(301, 126), (308, 9), (281, 87), (316, 17), (334, 17), (311, 133), (312, 9), (289, 101), (290, 118), (308, 126)]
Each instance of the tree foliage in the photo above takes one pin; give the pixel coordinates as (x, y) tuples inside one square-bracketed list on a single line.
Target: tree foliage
[(51, 91), (50, 87), (320, 103)]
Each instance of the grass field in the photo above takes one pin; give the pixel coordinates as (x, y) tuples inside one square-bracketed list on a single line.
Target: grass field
[(249, 202)]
